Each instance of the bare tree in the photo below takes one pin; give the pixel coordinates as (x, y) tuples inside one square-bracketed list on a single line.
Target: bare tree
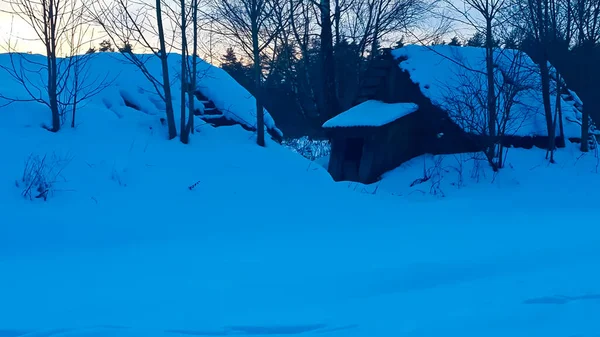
[(124, 22), (60, 27), (587, 22), (535, 18), (250, 23), (47, 18), (185, 85), (483, 15), (370, 22), (302, 26), (331, 104), (194, 71), (466, 99)]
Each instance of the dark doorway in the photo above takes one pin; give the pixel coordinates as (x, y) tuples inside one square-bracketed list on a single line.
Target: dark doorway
[(352, 158)]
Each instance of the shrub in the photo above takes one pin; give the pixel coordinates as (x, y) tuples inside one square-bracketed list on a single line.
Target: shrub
[(41, 174), (309, 148)]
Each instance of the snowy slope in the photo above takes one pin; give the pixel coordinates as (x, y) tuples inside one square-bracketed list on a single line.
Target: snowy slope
[(371, 113), (128, 83), (148, 237), (454, 78)]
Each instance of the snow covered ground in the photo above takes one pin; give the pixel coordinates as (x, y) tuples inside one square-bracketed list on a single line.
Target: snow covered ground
[(148, 237)]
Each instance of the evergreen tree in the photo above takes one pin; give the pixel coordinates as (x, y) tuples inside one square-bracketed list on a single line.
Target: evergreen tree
[(127, 48), (106, 46), (235, 68), (399, 44), (438, 41), (511, 41), (477, 40), (455, 42)]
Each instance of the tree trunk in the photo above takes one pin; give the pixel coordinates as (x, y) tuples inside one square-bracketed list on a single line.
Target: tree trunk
[(585, 115), (561, 137), (165, 72), (75, 91), (585, 129), (183, 135), (309, 81), (260, 118), (545, 71), (52, 67), (556, 113), (337, 19), (328, 62), (545, 74), (375, 43), (491, 94), (53, 92), (194, 77)]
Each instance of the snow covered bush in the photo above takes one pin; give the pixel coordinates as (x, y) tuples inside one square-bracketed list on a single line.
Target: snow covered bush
[(433, 175), (309, 148), (440, 172), (41, 174)]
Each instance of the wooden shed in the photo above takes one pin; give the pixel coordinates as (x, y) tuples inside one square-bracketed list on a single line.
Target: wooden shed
[(372, 138), (401, 111)]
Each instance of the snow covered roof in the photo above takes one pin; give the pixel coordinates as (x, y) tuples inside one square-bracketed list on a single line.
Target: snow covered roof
[(371, 113), (454, 79), (128, 83)]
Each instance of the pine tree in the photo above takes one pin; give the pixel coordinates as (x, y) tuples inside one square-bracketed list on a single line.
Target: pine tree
[(235, 68), (229, 61), (106, 46), (511, 41), (127, 48), (455, 42), (477, 40), (399, 44)]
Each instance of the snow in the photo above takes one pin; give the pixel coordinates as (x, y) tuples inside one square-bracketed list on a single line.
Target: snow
[(371, 113), (148, 237), (454, 78), (128, 83)]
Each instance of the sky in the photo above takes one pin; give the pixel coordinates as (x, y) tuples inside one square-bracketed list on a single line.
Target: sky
[(16, 34), (16, 30)]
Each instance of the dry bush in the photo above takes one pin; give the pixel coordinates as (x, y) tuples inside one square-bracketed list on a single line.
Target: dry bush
[(309, 148), (434, 175), (41, 175)]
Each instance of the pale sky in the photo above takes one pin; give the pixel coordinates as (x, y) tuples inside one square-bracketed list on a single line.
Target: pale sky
[(22, 33), (26, 40)]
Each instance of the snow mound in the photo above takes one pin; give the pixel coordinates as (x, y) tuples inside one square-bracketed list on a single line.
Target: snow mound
[(371, 113), (454, 79), (128, 87)]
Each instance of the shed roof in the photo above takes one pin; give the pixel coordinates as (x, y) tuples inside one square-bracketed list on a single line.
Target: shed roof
[(454, 79), (371, 113)]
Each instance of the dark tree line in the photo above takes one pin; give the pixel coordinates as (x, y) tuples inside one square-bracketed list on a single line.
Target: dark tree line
[(312, 54)]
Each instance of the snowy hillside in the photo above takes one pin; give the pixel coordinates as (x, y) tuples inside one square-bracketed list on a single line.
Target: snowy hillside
[(127, 87), (454, 78), (140, 236)]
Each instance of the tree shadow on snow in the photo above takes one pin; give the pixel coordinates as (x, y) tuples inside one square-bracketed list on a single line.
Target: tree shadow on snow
[(251, 330), (560, 299)]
